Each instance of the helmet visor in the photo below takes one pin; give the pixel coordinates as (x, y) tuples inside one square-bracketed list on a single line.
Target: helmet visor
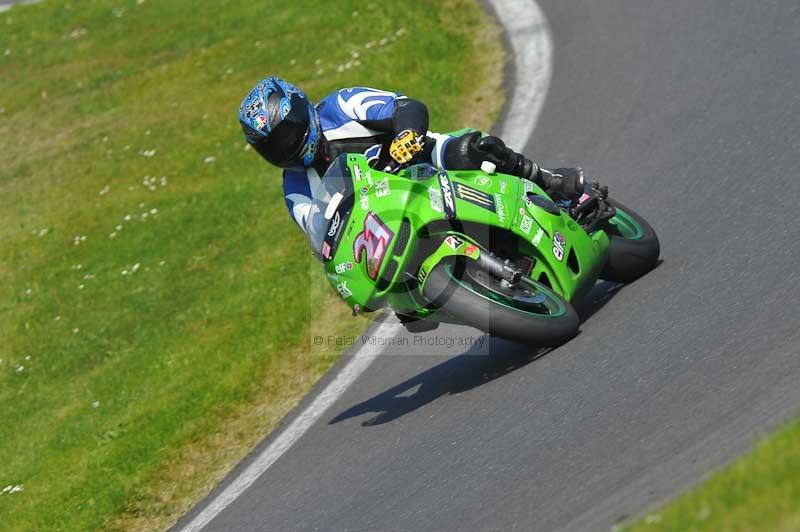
[(284, 145)]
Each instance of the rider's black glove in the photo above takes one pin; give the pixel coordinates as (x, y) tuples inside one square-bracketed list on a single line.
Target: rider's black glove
[(562, 183), (507, 161)]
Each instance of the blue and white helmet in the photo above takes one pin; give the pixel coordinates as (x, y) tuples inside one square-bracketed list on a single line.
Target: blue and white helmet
[(280, 123)]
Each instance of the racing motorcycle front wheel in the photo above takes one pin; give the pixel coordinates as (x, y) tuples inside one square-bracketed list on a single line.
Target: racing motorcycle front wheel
[(634, 248), (526, 312)]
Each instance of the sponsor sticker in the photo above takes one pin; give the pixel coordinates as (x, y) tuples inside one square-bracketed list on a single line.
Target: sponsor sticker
[(475, 196), (537, 238), (371, 244), (326, 250), (483, 181), (252, 108), (357, 174), (447, 196), (382, 188), (526, 224), (334, 227), (343, 290), (422, 275), (435, 197), (364, 201), (503, 185), (558, 246), (453, 242), (501, 207), (344, 267), (470, 249)]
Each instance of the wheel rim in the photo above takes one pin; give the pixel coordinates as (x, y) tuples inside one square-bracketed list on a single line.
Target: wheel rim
[(519, 299), (624, 225)]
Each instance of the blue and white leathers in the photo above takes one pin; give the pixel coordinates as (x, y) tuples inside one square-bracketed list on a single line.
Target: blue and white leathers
[(356, 119)]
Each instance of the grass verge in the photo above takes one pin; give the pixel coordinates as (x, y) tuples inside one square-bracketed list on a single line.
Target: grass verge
[(156, 301), (759, 492)]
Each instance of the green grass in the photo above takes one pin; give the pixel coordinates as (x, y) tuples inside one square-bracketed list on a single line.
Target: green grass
[(156, 299), (759, 492)]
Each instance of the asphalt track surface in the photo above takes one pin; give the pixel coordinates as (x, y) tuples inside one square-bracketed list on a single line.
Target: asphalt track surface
[(690, 112)]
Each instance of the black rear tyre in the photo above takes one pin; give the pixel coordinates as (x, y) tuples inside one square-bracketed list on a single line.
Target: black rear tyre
[(531, 315), (634, 247)]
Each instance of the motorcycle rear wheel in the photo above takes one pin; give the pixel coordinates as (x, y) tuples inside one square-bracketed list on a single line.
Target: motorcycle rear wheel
[(531, 314)]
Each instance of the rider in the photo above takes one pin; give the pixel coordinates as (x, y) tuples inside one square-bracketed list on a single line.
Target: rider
[(287, 130)]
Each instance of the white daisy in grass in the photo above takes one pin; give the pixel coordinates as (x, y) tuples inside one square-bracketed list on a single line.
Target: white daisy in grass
[(77, 33)]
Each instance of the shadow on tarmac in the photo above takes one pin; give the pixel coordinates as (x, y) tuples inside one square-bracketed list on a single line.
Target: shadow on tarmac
[(481, 363)]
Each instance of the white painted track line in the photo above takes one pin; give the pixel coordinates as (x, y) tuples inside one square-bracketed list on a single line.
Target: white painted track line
[(531, 48), (349, 373)]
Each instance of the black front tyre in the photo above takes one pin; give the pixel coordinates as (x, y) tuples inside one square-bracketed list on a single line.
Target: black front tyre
[(531, 315), (634, 246)]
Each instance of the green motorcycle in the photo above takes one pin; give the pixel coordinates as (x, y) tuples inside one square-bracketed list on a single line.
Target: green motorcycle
[(475, 247)]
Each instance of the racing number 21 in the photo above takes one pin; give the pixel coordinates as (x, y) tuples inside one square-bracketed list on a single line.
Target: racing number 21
[(373, 242)]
